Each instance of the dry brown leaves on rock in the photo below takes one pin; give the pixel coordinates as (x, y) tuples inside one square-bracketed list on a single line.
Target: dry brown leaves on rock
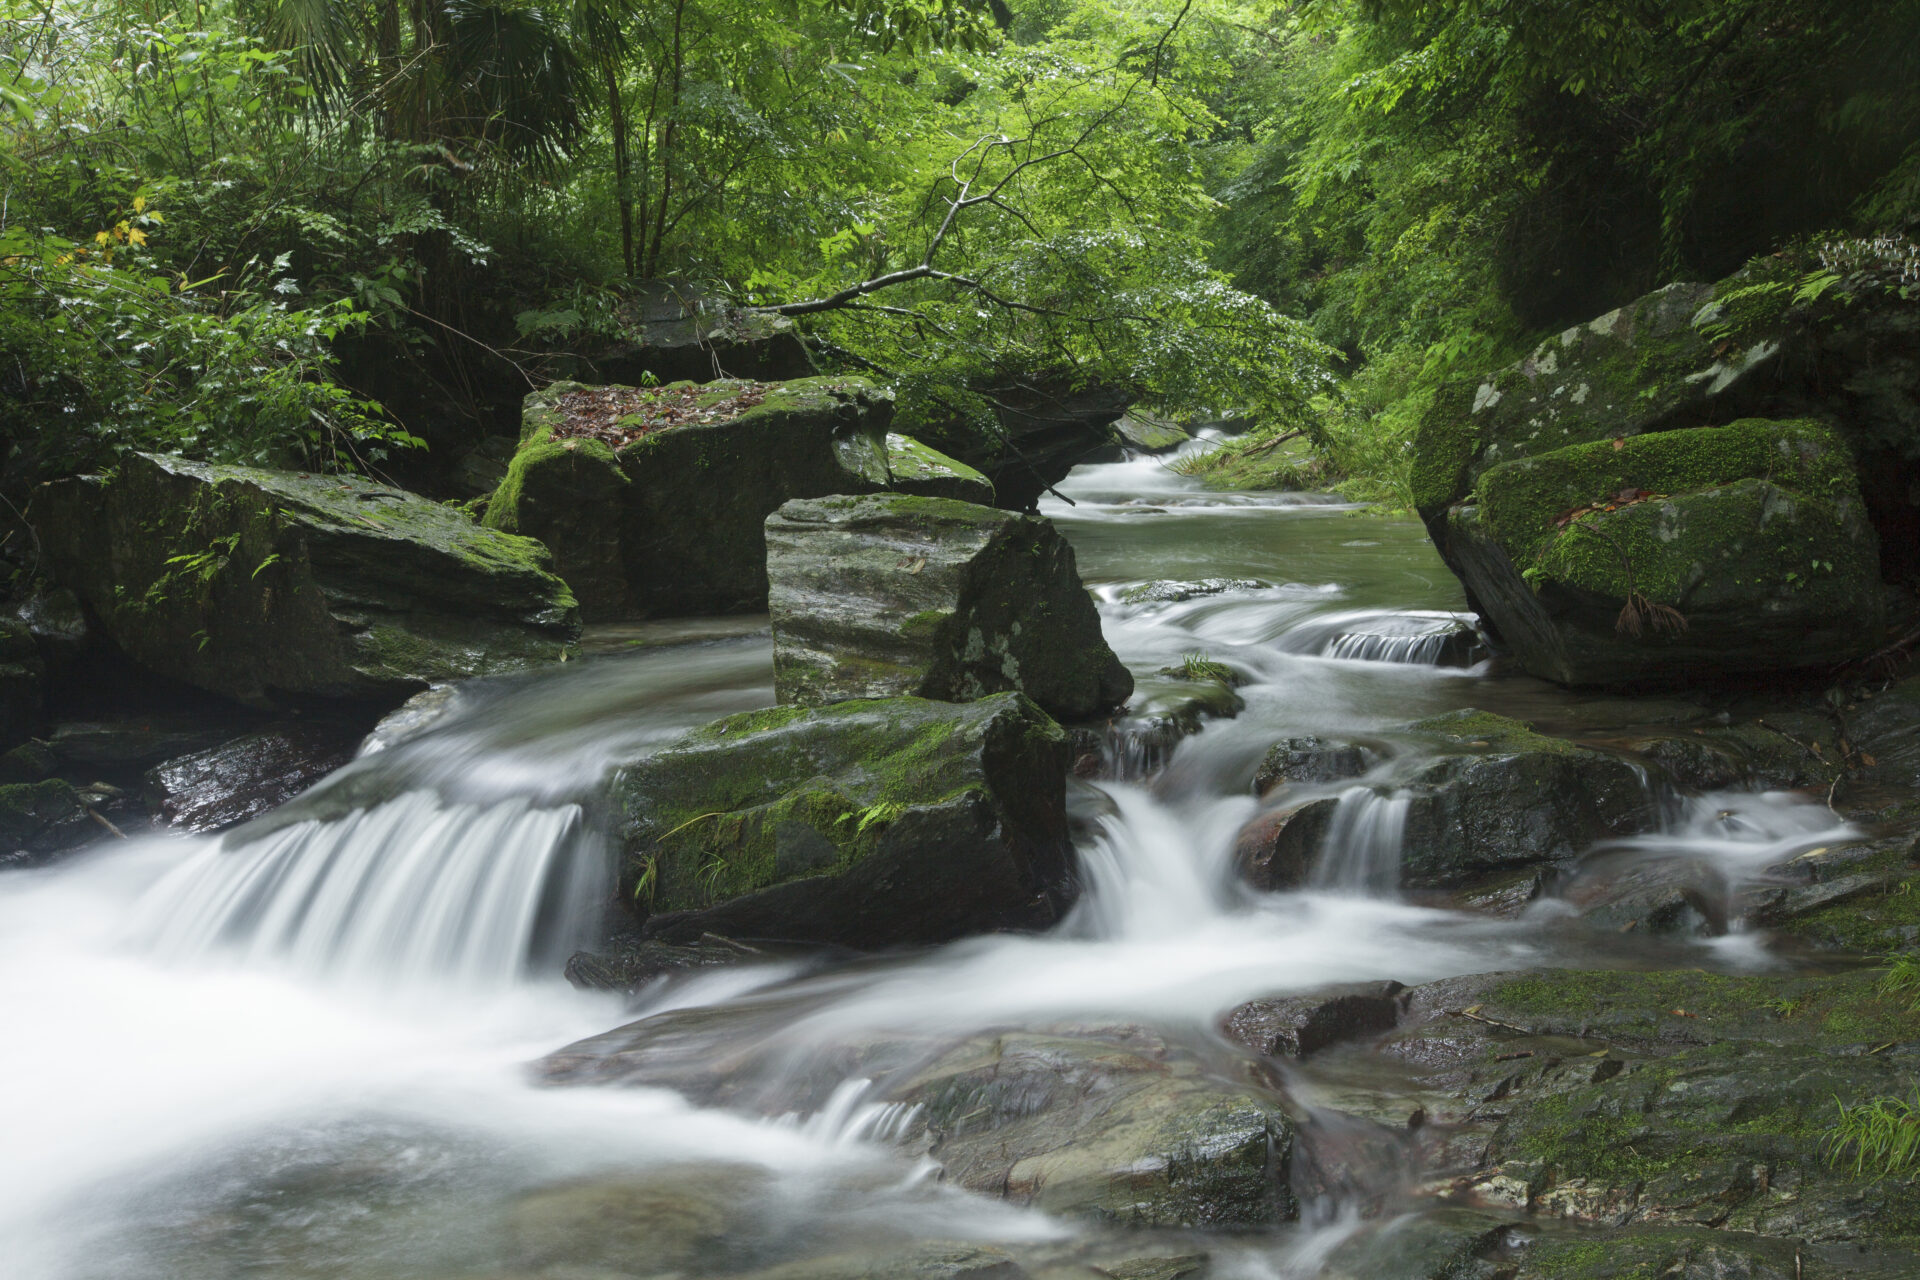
[(621, 415), (1624, 498)]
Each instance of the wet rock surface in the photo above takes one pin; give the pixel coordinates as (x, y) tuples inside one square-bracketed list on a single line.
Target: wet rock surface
[(1114, 1124), (1504, 797), (866, 824), (244, 777), (889, 595), (267, 585)]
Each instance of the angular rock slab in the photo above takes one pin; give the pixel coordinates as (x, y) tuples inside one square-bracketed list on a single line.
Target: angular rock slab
[(263, 585), (887, 595), (671, 522), (1679, 555), (866, 824)]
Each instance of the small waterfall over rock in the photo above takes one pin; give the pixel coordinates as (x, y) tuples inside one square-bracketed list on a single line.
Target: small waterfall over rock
[(1361, 851), (1410, 637), (413, 888)]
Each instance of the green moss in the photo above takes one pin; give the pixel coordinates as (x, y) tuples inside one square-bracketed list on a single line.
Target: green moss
[(924, 623), (745, 804), (1878, 923), (1520, 501), (1444, 447), (1495, 732)]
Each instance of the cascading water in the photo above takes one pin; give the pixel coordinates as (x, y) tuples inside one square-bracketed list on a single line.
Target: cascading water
[(411, 888), (1361, 850), (301, 1050)]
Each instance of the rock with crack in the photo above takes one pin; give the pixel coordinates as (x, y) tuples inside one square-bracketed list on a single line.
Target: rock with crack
[(268, 586), (887, 594)]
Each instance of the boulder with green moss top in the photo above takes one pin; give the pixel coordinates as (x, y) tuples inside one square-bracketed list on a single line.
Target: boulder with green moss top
[(1677, 556), (884, 595), (269, 585), (669, 520), (570, 494), (1643, 367), (867, 824)]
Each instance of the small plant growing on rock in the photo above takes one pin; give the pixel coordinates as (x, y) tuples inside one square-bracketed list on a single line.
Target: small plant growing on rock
[(1198, 666)]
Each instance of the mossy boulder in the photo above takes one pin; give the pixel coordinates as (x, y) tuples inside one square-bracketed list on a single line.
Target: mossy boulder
[(670, 522), (1712, 552), (1639, 368), (887, 595), (867, 824), (268, 585), (570, 494)]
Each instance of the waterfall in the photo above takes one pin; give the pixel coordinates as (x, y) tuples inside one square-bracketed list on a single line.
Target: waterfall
[(1361, 851), (414, 888), (1419, 650)]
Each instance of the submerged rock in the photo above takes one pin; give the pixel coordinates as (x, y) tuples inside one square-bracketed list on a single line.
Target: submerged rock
[(887, 595), (660, 510), (1122, 1128), (1278, 848), (867, 824), (1174, 591), (1486, 799), (1116, 1124), (1667, 557), (1295, 1026), (267, 585)]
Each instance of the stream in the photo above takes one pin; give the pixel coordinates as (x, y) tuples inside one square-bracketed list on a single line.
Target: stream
[(303, 1050)]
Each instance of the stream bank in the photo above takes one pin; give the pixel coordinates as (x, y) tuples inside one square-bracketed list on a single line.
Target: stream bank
[(333, 1046)]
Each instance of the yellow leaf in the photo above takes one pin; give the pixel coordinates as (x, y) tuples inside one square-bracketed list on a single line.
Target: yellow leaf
[(139, 204), (136, 235), (101, 237)]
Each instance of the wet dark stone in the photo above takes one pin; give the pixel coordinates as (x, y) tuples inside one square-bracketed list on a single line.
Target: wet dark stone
[(1309, 759), (1277, 849), (242, 778), (1296, 1026), (131, 743)]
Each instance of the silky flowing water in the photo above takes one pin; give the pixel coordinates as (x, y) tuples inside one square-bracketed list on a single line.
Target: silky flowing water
[(302, 1051)]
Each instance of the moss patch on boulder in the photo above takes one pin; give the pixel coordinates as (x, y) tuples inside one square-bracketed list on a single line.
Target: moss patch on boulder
[(866, 823), (260, 585)]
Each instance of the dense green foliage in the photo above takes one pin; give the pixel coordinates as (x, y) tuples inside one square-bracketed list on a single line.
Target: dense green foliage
[(231, 230)]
